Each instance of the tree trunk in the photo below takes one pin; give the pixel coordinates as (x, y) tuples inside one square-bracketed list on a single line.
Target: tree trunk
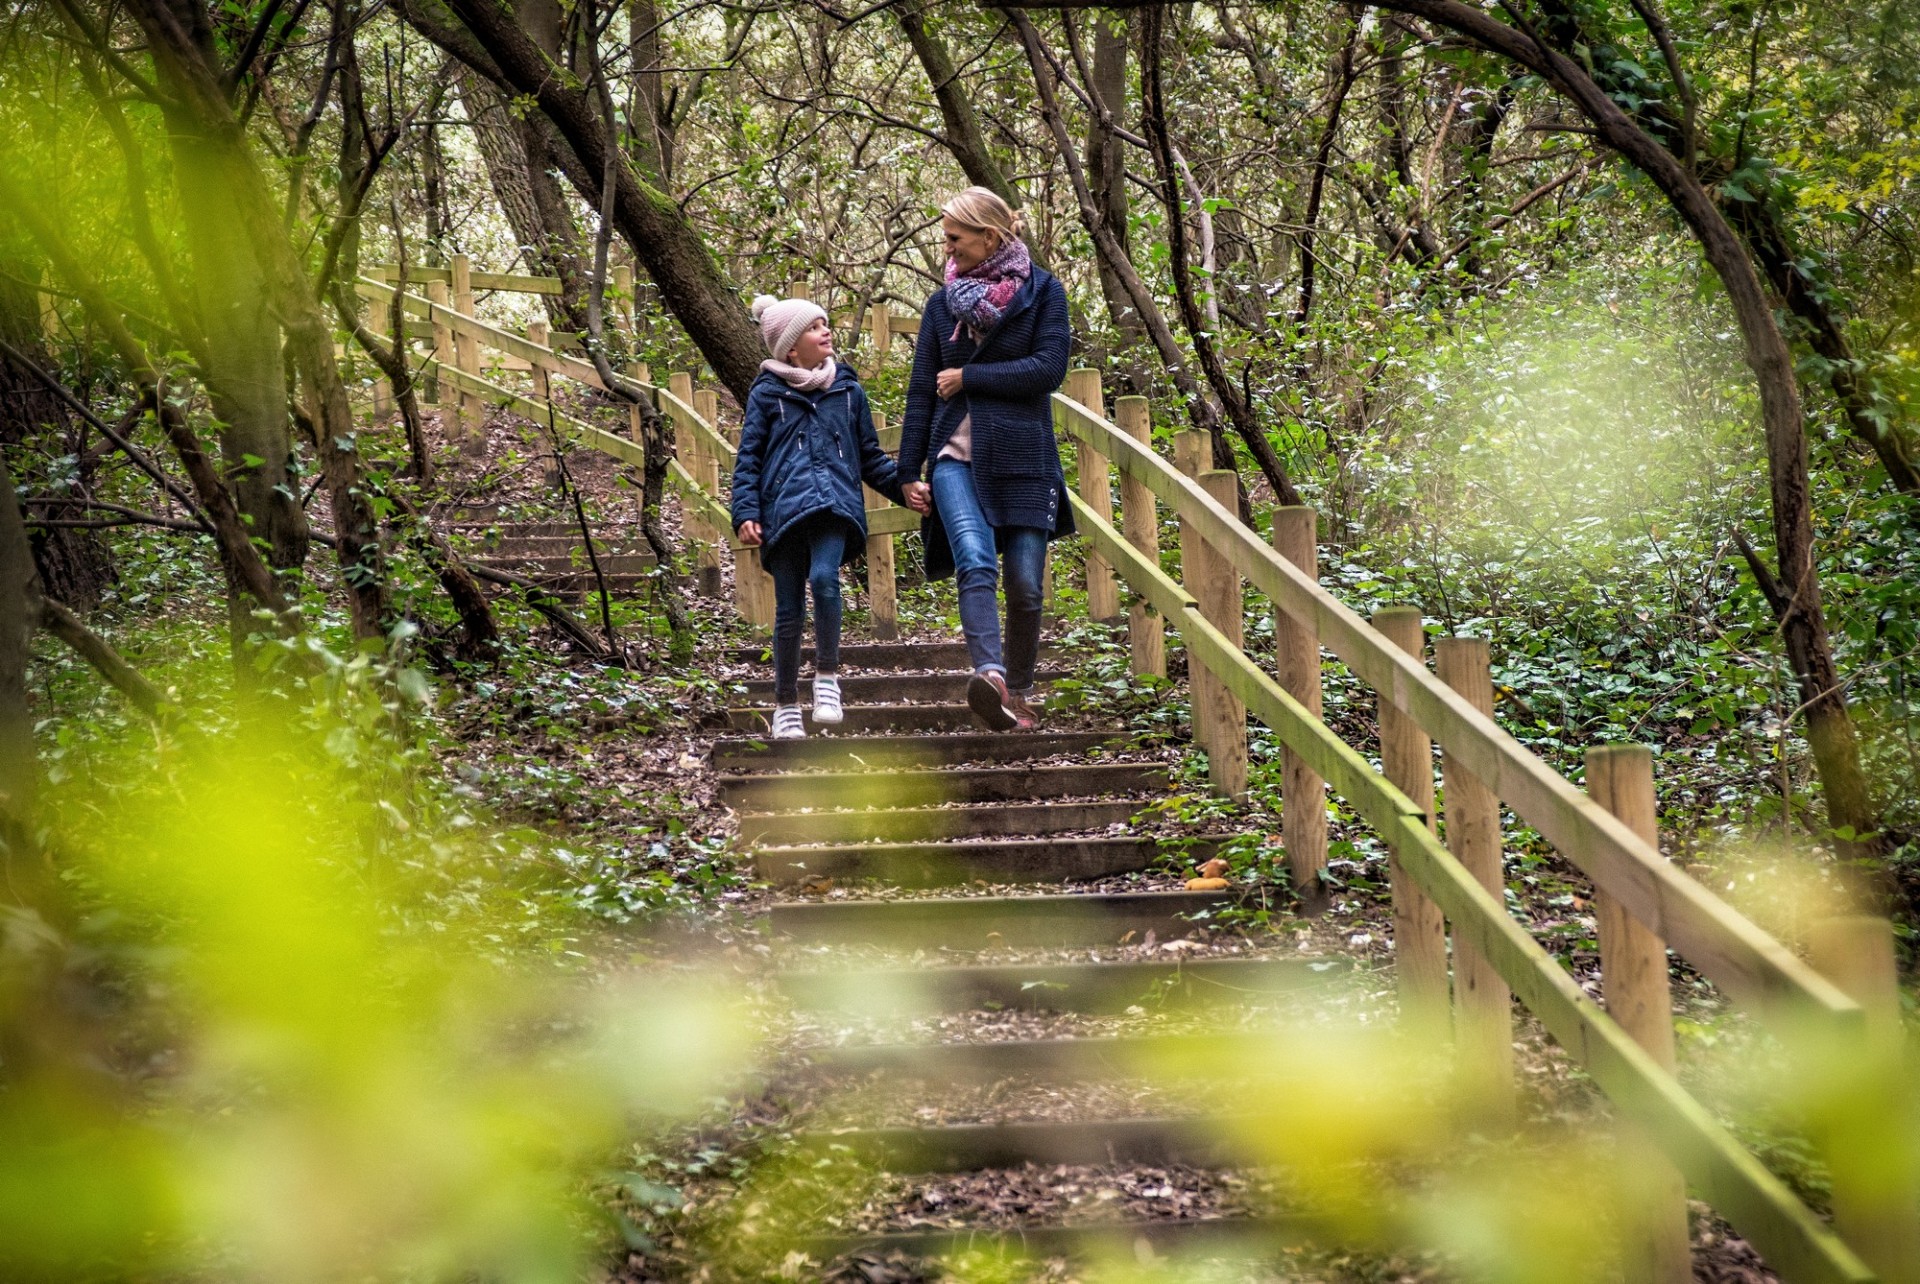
[(691, 282), (1106, 165), (1802, 622), (519, 169), (73, 564), (963, 135), (19, 608)]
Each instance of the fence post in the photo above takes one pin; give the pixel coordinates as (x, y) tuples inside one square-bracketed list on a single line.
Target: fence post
[(883, 599), (1419, 931), (537, 332), (1219, 717), (383, 392), (799, 290), (1633, 978), (705, 469), (623, 297), (466, 351), (1303, 816), (442, 340), (1869, 1124), (1096, 490), (882, 323), (1482, 1004), (1140, 523)]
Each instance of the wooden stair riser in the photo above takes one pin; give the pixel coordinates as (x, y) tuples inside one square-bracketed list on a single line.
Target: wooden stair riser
[(879, 753), (891, 789), (932, 824), (1156, 1058), (983, 922), (910, 656), (1057, 987), (944, 864), (866, 717), (1212, 1237), (1199, 1143), (896, 688)]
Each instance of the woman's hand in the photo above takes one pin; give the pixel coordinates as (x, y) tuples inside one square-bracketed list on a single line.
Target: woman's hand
[(919, 497), (948, 382), (750, 534)]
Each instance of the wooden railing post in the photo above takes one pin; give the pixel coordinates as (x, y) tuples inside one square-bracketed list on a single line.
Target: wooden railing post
[(1482, 1004), (1869, 1128), (883, 598), (466, 351), (623, 297), (704, 469), (1303, 793), (882, 323), (384, 395), (542, 384), (1219, 717), (1096, 490), (1419, 930), (1633, 977), (442, 342), (799, 290), (1140, 523)]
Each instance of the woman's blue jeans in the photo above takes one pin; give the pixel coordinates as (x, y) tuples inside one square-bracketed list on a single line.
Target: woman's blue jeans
[(807, 556), (977, 563)]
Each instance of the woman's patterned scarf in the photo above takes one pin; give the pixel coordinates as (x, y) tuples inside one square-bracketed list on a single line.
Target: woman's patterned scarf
[(979, 297)]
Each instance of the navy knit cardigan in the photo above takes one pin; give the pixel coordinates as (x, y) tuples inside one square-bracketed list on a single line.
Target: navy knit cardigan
[(1010, 377)]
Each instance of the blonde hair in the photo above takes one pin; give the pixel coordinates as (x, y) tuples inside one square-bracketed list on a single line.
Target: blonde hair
[(984, 210)]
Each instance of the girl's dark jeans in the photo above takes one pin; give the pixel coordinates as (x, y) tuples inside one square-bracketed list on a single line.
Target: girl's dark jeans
[(808, 555), (977, 558)]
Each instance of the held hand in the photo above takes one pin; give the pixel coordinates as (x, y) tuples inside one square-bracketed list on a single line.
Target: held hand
[(919, 497), (750, 534), (948, 382)]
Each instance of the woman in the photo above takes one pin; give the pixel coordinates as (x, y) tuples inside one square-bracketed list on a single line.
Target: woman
[(993, 346)]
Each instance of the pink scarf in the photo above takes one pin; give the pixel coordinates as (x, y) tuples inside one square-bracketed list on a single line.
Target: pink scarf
[(801, 378)]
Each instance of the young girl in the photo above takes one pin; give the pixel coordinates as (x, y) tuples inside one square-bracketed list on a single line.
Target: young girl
[(806, 444)]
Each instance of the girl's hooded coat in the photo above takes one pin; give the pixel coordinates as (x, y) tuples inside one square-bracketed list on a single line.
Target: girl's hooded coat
[(803, 453)]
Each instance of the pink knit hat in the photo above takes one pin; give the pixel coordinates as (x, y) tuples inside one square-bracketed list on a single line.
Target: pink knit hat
[(783, 321)]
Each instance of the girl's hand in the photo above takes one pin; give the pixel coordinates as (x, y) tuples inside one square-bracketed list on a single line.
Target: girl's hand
[(948, 382), (750, 534), (919, 497)]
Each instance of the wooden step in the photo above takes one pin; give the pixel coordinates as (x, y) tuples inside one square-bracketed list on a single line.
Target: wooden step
[(977, 922), (1057, 987), (1241, 1237), (877, 753), (855, 789), (921, 824), (891, 655), (1016, 860), (868, 717), (895, 688), (1154, 1056), (1199, 1142)]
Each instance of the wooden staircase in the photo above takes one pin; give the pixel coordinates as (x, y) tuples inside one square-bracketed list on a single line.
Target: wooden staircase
[(1008, 856)]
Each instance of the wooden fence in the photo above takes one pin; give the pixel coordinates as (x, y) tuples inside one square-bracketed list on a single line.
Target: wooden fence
[(1460, 998)]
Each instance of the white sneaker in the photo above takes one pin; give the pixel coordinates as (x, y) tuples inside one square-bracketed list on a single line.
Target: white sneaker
[(826, 700), (787, 723)]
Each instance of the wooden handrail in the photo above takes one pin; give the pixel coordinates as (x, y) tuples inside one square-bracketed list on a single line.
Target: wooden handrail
[(510, 282), (1737, 955), (1789, 1234)]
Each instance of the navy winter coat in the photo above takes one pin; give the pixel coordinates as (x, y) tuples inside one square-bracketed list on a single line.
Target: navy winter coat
[(1009, 382), (807, 452)]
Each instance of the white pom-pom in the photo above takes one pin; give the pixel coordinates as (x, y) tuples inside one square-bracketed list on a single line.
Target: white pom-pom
[(761, 302)]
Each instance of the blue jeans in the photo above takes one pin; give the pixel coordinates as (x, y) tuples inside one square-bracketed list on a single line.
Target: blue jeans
[(809, 555), (976, 570)]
